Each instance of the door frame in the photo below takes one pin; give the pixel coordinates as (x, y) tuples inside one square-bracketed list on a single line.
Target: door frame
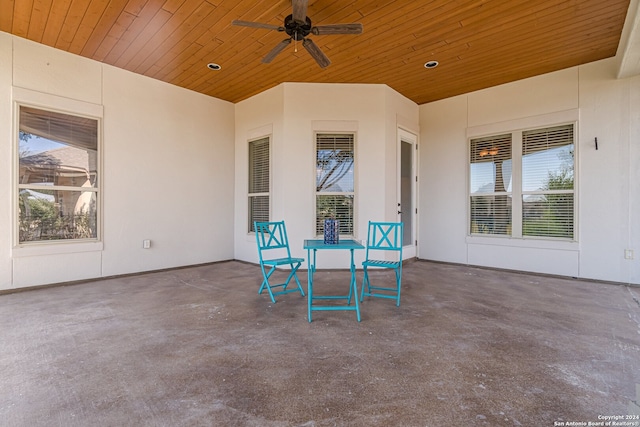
[(404, 136)]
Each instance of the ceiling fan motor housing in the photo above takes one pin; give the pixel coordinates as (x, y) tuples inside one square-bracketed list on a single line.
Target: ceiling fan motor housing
[(295, 29)]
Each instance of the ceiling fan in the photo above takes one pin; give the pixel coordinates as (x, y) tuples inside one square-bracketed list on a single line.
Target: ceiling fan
[(298, 26)]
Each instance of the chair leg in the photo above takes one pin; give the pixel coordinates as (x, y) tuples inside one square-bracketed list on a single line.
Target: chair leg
[(387, 292), (353, 291), (268, 286), (365, 283), (398, 280), (265, 283), (265, 279), (294, 270)]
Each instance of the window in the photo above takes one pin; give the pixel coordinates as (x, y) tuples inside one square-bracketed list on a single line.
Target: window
[(538, 200), (258, 181), (334, 180), (547, 182), (491, 185), (57, 176)]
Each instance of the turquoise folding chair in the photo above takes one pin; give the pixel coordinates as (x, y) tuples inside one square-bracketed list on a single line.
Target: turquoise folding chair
[(273, 251), (384, 250)]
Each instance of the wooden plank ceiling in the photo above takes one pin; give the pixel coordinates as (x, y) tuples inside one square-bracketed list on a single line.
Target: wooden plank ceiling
[(478, 43)]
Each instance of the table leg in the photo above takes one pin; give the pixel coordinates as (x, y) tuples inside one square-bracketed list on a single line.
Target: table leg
[(311, 268), (353, 288)]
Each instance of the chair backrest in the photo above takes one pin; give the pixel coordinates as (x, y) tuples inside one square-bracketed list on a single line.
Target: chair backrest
[(272, 236), (385, 237)]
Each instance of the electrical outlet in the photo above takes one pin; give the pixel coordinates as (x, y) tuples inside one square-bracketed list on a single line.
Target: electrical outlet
[(628, 254), (146, 244)]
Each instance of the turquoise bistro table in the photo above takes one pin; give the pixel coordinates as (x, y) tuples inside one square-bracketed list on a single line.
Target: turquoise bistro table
[(313, 246)]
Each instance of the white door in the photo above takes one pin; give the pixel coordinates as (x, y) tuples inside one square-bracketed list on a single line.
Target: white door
[(407, 183)]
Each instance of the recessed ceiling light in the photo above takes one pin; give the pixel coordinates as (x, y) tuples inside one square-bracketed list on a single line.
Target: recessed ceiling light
[(431, 64), (213, 66)]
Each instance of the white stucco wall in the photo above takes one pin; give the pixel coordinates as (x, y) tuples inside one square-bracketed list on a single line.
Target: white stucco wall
[(6, 68), (167, 168), (259, 116), (607, 179), (401, 113), (442, 172), (168, 175), (296, 111)]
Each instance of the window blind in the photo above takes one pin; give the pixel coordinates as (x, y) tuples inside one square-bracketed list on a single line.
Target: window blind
[(547, 159), (259, 166), (490, 148), (259, 177), (335, 207), (491, 214), (76, 131)]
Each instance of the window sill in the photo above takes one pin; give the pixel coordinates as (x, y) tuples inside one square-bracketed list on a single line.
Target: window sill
[(523, 243), (55, 248)]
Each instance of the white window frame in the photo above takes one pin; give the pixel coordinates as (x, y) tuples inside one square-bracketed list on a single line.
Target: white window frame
[(516, 128), (250, 194), (48, 102), (353, 194)]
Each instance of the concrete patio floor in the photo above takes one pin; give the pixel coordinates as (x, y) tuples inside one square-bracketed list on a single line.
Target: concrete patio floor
[(199, 347)]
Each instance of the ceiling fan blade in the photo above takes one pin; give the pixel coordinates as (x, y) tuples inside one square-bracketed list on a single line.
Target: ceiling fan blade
[(300, 10), (337, 29), (276, 50), (257, 25), (316, 53)]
